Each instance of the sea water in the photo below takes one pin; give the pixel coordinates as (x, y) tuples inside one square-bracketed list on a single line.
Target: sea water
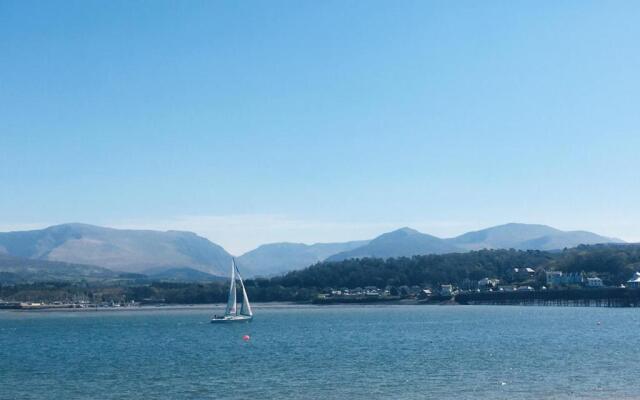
[(322, 352)]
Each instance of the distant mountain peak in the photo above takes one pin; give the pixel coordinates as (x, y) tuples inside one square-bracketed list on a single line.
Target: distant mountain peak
[(75, 225), (526, 237), (126, 250), (401, 242), (404, 230)]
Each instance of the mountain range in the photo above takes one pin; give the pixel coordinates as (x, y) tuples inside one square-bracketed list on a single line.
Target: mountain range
[(407, 241), (88, 250)]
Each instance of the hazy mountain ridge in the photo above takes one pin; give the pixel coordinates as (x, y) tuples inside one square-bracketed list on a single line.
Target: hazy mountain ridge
[(181, 274), (526, 237), (277, 258), (124, 250), (565, 240), (398, 243), (16, 269), (408, 242), (510, 235)]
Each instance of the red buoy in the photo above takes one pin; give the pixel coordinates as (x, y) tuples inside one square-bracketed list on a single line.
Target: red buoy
[(246, 338)]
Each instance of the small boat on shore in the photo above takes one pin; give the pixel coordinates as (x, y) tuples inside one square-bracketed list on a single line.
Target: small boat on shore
[(231, 312)]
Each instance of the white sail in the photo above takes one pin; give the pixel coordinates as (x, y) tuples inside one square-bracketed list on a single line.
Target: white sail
[(231, 312), (245, 309), (231, 302)]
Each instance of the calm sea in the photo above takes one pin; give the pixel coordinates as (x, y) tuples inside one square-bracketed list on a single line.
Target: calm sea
[(341, 352)]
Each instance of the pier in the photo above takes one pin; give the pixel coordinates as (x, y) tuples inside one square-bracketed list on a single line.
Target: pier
[(602, 297)]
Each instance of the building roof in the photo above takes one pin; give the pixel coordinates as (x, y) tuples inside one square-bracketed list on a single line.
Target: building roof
[(634, 278)]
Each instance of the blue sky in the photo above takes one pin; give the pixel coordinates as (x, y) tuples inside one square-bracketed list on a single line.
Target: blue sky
[(260, 121)]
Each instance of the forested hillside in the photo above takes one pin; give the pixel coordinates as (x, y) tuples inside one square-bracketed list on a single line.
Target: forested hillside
[(614, 263)]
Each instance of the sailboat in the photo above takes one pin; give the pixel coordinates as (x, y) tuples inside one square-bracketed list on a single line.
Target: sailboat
[(231, 313)]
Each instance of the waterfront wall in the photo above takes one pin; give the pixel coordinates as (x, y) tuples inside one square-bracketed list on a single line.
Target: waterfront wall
[(355, 299)]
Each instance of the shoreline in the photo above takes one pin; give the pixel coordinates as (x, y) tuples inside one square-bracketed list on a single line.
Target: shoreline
[(215, 306), (155, 307)]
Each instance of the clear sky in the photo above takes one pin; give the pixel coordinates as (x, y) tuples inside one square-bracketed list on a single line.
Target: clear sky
[(260, 121)]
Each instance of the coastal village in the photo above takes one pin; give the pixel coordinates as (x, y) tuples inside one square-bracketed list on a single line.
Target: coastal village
[(521, 280), (69, 304)]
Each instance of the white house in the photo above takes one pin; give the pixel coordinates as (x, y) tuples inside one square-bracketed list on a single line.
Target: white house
[(557, 278), (446, 290), (634, 282), (371, 291), (553, 276), (523, 273), (486, 283), (594, 282)]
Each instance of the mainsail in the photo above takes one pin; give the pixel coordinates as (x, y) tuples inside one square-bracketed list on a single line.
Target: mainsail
[(231, 302)]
